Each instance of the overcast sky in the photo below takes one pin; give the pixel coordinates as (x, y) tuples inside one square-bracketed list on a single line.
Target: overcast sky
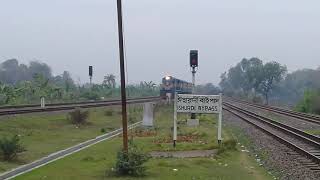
[(73, 34)]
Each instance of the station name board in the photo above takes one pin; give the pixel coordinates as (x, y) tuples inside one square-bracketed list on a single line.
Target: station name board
[(206, 104)]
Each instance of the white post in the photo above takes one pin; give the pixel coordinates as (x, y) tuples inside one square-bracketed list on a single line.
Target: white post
[(148, 114), (175, 120), (220, 120), (42, 102)]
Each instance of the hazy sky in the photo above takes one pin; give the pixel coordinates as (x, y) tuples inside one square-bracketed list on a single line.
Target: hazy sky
[(73, 34)]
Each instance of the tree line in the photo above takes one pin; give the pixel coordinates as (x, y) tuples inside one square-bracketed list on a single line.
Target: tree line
[(270, 82), (25, 84)]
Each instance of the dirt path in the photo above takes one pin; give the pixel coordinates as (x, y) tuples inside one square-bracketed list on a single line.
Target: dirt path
[(183, 154), (246, 163)]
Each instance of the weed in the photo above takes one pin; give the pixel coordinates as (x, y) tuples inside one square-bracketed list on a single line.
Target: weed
[(131, 162), (228, 145), (78, 116), (10, 147), (103, 130)]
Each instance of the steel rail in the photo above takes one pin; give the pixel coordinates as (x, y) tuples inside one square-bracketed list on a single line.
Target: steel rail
[(314, 140), (302, 116), (76, 105), (68, 103), (242, 114)]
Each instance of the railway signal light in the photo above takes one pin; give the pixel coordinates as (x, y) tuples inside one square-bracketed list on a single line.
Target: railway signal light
[(90, 74), (194, 58), (90, 70)]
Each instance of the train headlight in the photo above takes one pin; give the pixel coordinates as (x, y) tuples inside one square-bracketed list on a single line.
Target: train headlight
[(167, 78)]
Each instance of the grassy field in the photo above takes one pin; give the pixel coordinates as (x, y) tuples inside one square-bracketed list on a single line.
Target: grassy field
[(97, 161), (42, 134)]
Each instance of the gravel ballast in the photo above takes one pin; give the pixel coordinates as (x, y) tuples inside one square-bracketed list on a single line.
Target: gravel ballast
[(279, 159)]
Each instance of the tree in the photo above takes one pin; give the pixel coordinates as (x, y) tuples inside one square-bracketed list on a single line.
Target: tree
[(272, 72), (208, 88), (110, 81), (68, 81), (11, 72), (244, 77)]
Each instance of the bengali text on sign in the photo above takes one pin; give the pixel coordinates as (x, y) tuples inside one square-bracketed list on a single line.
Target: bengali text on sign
[(207, 104)]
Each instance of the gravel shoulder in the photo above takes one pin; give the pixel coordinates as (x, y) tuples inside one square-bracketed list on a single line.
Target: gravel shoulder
[(277, 158), (294, 122)]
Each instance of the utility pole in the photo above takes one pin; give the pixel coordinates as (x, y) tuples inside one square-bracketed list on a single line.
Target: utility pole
[(123, 82)]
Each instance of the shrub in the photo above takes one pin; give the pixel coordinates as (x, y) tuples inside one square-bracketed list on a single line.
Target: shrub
[(10, 147), (131, 162), (78, 116), (315, 105), (103, 130), (310, 102), (227, 146)]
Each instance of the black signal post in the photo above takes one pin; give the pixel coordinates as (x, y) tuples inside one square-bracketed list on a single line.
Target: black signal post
[(194, 67), (122, 76), (90, 74)]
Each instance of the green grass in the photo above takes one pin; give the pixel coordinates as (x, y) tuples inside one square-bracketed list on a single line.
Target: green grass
[(97, 161), (313, 131), (42, 134)]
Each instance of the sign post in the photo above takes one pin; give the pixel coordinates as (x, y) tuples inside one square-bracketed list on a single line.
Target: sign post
[(220, 120), (203, 104), (175, 120)]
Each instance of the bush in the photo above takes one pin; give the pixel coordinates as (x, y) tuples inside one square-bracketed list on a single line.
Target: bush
[(315, 105), (78, 116), (103, 130), (10, 147), (227, 146), (131, 162), (310, 102)]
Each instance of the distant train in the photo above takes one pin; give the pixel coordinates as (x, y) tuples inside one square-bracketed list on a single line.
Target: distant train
[(170, 85)]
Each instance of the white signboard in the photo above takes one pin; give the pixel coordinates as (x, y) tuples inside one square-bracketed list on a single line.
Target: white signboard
[(205, 104)]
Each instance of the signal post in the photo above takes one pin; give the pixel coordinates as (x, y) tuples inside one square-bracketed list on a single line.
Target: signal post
[(194, 67)]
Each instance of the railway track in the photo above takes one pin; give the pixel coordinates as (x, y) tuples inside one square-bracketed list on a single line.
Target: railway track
[(306, 146), (302, 116), (60, 154), (9, 110)]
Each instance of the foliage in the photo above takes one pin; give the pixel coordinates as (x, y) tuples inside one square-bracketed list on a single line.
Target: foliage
[(272, 72), (251, 76), (131, 162), (78, 116), (292, 88), (9, 147), (109, 81), (11, 72), (103, 130), (26, 84), (208, 88), (310, 102), (228, 145)]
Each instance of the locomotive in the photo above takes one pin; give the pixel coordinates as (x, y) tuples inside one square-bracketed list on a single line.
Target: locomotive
[(170, 85)]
